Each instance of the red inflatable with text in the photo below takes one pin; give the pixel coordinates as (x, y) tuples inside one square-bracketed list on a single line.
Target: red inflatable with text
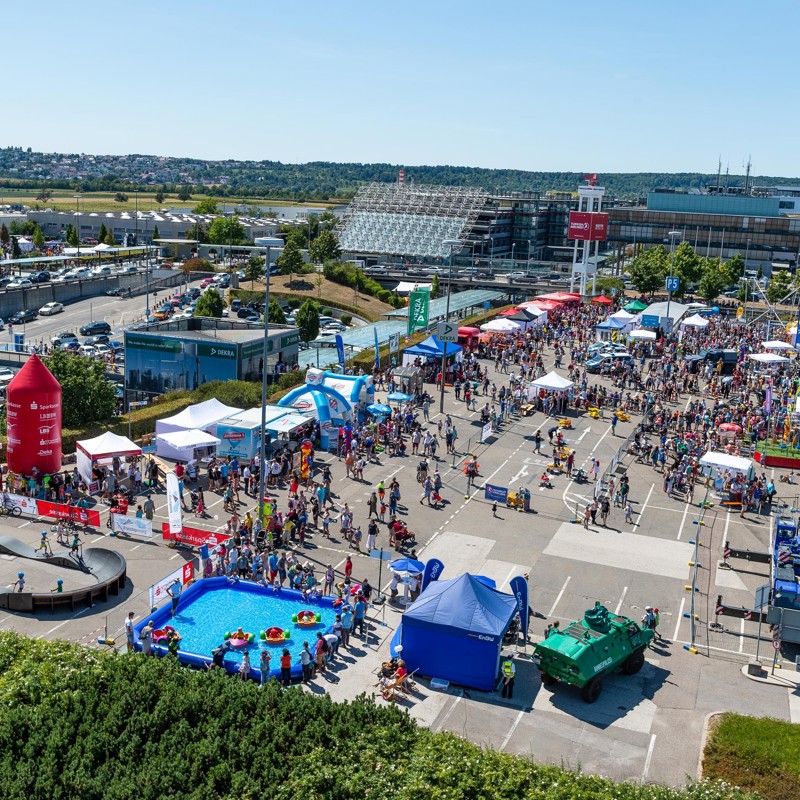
[(33, 410)]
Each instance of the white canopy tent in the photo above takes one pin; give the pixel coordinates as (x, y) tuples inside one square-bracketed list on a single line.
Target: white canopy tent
[(641, 333), (102, 450), (288, 423), (406, 287), (774, 344), (531, 306), (695, 321), (201, 417), (501, 325), (623, 316), (716, 460), (183, 445), (552, 382), (768, 358)]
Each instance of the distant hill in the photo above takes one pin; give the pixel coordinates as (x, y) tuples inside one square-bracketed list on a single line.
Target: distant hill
[(316, 180)]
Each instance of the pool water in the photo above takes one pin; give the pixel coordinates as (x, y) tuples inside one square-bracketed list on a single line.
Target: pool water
[(213, 607)]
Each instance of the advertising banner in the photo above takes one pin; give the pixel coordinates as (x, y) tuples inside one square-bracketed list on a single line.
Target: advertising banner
[(496, 494), (87, 516), (394, 342), (131, 526), (340, 350), (195, 537), (174, 513), (520, 588), (158, 591), (486, 432), (418, 309), (433, 569), (588, 226), (377, 348), (25, 504)]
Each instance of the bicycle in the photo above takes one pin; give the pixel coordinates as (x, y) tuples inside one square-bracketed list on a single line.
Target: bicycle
[(10, 510)]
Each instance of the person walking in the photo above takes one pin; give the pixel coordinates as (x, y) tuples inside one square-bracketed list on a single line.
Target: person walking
[(306, 663), (129, 631), (263, 665), (537, 440), (628, 513), (174, 591), (149, 508), (509, 674), (587, 514)]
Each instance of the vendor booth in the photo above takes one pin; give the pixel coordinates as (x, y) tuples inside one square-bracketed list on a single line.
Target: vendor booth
[(635, 306), (503, 325), (605, 330), (528, 317), (429, 349), (468, 336), (200, 417), (769, 359), (185, 445), (454, 631), (551, 382), (240, 434), (695, 321), (642, 334), (408, 379), (94, 455), (714, 460)]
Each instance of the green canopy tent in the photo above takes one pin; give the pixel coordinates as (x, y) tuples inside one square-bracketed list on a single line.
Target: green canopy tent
[(635, 307)]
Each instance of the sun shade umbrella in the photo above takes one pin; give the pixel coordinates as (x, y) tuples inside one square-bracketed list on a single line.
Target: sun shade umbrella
[(379, 408), (407, 566), (398, 397)]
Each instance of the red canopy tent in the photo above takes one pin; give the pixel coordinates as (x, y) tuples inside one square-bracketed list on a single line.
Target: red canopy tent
[(547, 305), (559, 297), (606, 301)]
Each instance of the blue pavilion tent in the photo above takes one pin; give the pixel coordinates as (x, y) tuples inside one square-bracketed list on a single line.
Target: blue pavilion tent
[(432, 348), (455, 631)]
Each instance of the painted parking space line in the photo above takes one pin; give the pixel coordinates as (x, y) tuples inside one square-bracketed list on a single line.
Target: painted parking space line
[(560, 595)]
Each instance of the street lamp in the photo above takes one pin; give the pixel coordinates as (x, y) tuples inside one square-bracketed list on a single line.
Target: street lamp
[(271, 242), (673, 235), (78, 215), (452, 244)]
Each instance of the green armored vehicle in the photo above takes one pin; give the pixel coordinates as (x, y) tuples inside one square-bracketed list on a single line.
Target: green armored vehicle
[(585, 651)]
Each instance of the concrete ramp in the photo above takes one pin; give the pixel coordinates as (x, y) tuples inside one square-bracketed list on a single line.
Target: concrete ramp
[(14, 547)]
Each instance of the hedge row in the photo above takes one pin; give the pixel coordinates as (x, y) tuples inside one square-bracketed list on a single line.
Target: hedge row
[(78, 722), (246, 295)]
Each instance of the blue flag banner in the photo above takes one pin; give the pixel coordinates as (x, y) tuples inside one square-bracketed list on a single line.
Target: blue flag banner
[(340, 350), (520, 588), (377, 348), (497, 494), (433, 569)]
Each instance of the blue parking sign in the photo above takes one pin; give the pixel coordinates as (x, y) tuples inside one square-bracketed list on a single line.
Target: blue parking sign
[(673, 284)]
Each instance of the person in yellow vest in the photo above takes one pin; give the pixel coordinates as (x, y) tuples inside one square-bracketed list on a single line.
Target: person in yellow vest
[(509, 672)]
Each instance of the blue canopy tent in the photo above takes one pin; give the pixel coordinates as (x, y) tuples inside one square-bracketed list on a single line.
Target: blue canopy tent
[(455, 631), (431, 348)]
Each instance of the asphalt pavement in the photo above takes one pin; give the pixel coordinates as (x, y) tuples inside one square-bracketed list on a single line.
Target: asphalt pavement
[(647, 727)]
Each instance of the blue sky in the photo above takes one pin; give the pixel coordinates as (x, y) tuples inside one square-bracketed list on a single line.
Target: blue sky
[(603, 87)]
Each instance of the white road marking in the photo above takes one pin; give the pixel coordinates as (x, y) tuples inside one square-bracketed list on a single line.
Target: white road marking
[(450, 711), (683, 522), (641, 512), (741, 636), (511, 730), (608, 430), (580, 438), (621, 600), (680, 617), (649, 756), (560, 595)]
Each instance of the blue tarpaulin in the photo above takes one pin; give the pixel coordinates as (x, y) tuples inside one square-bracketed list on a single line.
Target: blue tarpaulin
[(432, 348), (455, 631)]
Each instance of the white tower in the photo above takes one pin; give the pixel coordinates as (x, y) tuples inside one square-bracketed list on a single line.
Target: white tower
[(587, 225)]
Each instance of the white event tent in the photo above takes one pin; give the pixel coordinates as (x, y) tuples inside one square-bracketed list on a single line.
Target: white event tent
[(641, 333), (552, 382), (201, 417), (695, 321), (768, 358), (500, 325), (183, 445), (102, 450), (725, 461), (775, 344)]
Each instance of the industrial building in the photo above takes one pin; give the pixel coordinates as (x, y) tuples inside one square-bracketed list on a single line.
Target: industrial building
[(187, 353), (390, 221)]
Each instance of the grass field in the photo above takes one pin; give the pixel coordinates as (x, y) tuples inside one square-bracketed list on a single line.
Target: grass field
[(64, 200), (758, 754)]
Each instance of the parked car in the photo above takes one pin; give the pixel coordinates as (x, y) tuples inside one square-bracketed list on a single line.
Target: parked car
[(116, 344), (72, 346), (60, 339), (127, 270), (51, 308), (236, 304), (6, 375), (20, 283), (100, 271), (41, 277), (4, 282), (86, 350), (98, 338), (95, 327), (21, 317)]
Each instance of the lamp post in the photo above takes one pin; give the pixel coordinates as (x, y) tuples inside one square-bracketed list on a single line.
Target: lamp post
[(261, 466), (136, 219), (78, 215), (451, 243), (673, 235)]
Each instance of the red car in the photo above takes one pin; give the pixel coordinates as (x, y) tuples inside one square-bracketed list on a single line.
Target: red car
[(206, 282), (177, 300)]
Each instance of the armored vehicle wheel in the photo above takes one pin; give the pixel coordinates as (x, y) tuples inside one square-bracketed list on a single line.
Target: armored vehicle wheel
[(592, 690), (633, 663), (549, 681)]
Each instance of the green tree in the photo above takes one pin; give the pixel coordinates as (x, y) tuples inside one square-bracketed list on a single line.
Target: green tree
[(5, 236), (276, 315), (44, 195), (779, 285), (38, 239), (295, 233), (185, 193), (198, 232), (197, 265), (605, 284), (110, 238), (255, 269), (156, 234), (209, 304), (327, 220), (120, 197), (325, 248), (435, 286), (319, 282), (102, 233), (208, 205), (290, 260), (159, 197), (227, 230), (307, 320), (733, 269), (71, 235), (87, 395), (712, 282), (15, 251), (649, 269), (687, 265)]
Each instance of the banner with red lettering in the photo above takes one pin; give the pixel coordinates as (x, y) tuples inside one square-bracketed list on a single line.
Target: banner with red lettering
[(195, 537), (86, 516)]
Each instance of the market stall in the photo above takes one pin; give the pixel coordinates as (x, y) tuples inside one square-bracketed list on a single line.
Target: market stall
[(94, 456), (185, 445), (429, 349), (501, 326), (201, 417), (240, 434)]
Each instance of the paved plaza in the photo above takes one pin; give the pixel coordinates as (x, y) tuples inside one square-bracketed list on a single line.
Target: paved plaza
[(647, 727)]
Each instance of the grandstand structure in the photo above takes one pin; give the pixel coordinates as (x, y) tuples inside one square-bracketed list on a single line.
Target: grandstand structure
[(409, 220)]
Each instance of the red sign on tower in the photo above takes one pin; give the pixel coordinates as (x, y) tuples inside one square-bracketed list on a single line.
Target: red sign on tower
[(588, 226)]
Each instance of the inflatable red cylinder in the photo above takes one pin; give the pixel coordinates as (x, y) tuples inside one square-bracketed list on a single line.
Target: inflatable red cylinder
[(33, 412)]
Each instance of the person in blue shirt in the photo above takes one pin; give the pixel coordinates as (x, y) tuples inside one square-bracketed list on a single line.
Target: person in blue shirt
[(347, 625), (359, 614)]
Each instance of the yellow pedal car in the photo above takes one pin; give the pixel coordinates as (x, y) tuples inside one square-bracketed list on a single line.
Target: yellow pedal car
[(594, 412), (565, 423), (623, 416)]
